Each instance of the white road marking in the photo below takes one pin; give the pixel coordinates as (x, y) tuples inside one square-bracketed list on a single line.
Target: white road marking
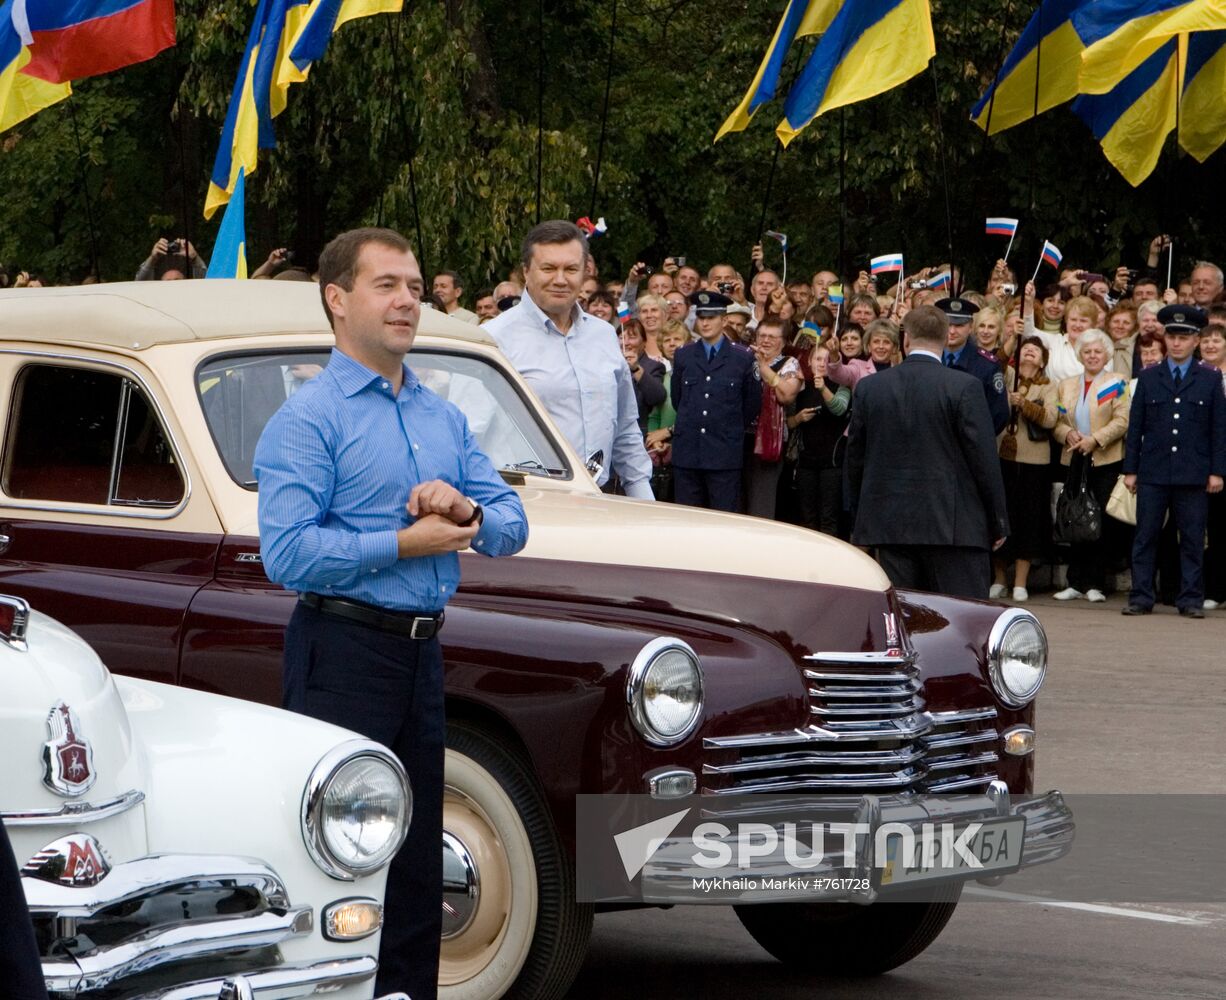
[(1110, 911)]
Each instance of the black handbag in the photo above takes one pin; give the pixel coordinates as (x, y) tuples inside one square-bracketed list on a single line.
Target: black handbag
[(1079, 517)]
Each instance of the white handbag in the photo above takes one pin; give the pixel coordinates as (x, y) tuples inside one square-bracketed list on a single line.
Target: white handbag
[(1122, 504)]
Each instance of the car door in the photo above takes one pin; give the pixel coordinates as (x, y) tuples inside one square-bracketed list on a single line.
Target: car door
[(101, 523)]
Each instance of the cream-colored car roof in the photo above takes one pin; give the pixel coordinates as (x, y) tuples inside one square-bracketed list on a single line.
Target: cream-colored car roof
[(135, 315)]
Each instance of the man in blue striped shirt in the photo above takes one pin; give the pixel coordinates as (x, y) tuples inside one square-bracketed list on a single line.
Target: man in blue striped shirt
[(370, 485)]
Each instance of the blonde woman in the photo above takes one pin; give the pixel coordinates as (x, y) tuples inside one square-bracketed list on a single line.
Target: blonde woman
[(1093, 419), (653, 313), (989, 326)]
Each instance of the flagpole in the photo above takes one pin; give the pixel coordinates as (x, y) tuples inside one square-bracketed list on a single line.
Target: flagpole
[(1034, 276), (1010, 246), (89, 209), (1170, 262)]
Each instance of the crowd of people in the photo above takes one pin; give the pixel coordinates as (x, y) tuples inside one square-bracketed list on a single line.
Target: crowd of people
[(1059, 361)]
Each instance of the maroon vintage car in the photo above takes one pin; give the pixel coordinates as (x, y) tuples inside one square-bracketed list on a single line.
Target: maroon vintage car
[(630, 648)]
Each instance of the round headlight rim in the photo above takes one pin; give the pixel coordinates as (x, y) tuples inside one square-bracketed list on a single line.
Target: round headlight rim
[(996, 639), (328, 766), (634, 690)]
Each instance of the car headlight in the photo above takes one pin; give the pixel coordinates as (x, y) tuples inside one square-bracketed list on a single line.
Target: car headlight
[(664, 691), (355, 809), (1017, 657)]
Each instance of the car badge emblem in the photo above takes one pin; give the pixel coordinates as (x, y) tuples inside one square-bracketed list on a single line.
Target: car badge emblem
[(77, 861), (891, 633), (68, 758)]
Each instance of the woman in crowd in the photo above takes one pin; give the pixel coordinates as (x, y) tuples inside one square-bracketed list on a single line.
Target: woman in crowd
[(601, 305), (1024, 460), (817, 326), (989, 326), (661, 419), (1122, 329), (653, 311), (1147, 318), (781, 382), (883, 351), (1093, 420), (1079, 316), (820, 419), (1213, 352), (1051, 306), (861, 309), (648, 374)]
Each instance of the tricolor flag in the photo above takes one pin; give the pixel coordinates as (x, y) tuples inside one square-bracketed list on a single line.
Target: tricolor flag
[(623, 311), (1001, 227), (884, 265), (939, 281), (1110, 392), (835, 294), (1051, 254)]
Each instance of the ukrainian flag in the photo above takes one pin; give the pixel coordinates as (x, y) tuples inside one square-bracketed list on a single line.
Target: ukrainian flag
[(322, 19), (870, 47), (20, 95), (229, 258), (1133, 120), (1202, 118), (800, 19), (257, 98), (1049, 48), (1120, 35)]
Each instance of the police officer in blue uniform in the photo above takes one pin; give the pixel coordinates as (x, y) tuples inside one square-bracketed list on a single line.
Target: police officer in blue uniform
[(1174, 457), (717, 393), (962, 353)]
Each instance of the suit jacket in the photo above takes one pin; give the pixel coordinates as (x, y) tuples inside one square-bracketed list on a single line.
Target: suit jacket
[(1108, 422), (716, 402), (1177, 437), (921, 459)]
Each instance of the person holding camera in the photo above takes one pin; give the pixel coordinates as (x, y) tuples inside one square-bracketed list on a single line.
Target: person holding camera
[(821, 419), (172, 260)]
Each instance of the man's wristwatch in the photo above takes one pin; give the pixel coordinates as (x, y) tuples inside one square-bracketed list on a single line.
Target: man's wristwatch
[(477, 516)]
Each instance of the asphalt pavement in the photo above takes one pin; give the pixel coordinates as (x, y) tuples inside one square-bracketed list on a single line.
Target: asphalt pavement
[(1131, 705)]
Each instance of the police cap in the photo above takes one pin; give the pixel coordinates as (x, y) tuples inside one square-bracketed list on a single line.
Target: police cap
[(708, 303), (958, 311), (1182, 319)]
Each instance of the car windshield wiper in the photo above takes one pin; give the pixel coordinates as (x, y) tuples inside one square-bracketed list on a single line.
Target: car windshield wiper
[(534, 468)]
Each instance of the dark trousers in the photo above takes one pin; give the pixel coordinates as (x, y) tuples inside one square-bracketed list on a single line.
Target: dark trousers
[(957, 571), (820, 495), (1088, 561), (389, 688), (718, 489), (19, 963), (1189, 506), (1215, 553)]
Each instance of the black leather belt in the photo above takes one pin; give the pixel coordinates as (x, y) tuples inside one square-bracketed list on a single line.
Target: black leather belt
[(410, 623)]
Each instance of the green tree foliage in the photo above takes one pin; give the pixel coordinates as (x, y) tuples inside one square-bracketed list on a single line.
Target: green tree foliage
[(429, 122)]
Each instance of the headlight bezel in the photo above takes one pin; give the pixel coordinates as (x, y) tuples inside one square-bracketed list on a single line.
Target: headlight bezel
[(315, 791), (996, 648), (636, 683)]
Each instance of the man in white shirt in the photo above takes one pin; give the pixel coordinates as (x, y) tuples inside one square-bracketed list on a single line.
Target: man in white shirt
[(448, 289)]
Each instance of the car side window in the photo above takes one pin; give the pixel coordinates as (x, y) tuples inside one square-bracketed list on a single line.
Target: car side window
[(78, 435)]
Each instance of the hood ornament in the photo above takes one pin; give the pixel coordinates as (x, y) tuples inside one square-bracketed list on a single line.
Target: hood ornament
[(77, 861), (67, 757), (893, 645)]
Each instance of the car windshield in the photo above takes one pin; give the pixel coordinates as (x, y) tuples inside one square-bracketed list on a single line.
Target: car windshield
[(240, 392)]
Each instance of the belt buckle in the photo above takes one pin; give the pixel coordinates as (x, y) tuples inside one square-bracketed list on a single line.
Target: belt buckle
[(420, 621)]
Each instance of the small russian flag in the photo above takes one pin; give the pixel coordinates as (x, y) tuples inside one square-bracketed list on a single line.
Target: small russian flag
[(886, 264), (1002, 227), (939, 281), (623, 311), (1110, 392), (1051, 254), (835, 294)]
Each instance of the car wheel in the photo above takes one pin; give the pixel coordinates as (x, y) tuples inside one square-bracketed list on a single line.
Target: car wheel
[(511, 926), (856, 940)]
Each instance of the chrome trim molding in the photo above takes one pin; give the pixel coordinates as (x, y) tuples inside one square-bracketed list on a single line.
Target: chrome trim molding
[(634, 690), (312, 805), (1000, 628), (15, 638), (298, 980), (74, 813)]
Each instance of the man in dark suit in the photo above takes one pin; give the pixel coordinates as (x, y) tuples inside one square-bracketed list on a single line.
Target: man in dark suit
[(717, 395), (1174, 457), (923, 477)]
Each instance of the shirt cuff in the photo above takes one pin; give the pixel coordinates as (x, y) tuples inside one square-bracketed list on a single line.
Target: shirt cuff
[(377, 550)]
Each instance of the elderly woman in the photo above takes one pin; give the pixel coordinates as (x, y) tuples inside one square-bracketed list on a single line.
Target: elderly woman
[(653, 313), (1122, 329), (1079, 316), (1093, 421), (882, 340), (821, 418), (1147, 318), (1024, 460), (781, 383)]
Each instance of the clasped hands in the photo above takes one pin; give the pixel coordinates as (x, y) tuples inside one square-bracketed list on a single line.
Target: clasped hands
[(439, 509)]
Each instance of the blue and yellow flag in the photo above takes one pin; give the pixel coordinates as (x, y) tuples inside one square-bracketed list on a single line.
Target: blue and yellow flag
[(229, 258), (1134, 119), (323, 18), (1120, 35), (21, 95), (870, 47), (1202, 116), (1049, 49)]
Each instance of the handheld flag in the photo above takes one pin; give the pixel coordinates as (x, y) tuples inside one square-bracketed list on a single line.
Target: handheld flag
[(938, 281), (1001, 227), (229, 258), (592, 229), (1051, 255), (835, 294), (885, 264), (871, 46), (1110, 392), (623, 311)]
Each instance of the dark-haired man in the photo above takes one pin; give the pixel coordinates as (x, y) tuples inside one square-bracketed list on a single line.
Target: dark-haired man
[(369, 486), (449, 289), (572, 359)]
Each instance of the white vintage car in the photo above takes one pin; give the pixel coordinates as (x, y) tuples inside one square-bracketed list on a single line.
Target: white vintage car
[(175, 843)]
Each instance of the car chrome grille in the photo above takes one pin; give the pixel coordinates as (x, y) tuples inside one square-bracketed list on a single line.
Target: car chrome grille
[(870, 731)]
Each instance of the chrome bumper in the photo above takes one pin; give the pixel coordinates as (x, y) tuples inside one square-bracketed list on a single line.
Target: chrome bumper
[(283, 983)]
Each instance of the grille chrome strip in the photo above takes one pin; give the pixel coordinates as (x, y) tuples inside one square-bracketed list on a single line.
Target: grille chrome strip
[(833, 675), (885, 691), (884, 758), (862, 659), (875, 708)]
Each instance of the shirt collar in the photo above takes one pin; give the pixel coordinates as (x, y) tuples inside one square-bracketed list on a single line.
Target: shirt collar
[(577, 315), (353, 376), (957, 355), (712, 349), (1182, 369), (927, 354)]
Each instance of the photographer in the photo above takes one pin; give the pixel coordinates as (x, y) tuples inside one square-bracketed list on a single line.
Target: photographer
[(172, 260), (279, 258), (820, 419)]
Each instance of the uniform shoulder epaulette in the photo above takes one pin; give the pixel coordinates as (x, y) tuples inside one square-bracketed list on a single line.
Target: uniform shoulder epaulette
[(987, 355)]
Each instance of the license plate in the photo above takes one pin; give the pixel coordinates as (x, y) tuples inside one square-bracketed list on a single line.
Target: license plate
[(997, 845)]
